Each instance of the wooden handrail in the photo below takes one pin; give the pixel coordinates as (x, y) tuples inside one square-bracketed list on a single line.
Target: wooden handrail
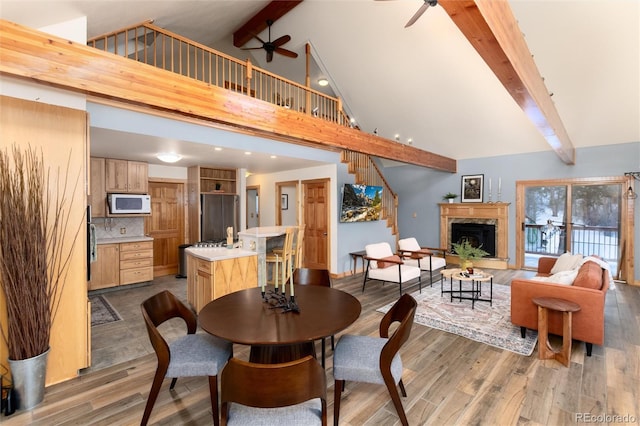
[(163, 49)]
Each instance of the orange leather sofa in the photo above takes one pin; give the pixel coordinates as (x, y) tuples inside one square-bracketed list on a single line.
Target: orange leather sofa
[(588, 290)]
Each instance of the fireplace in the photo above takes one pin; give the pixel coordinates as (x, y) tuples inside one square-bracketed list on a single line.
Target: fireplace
[(481, 223), (477, 234)]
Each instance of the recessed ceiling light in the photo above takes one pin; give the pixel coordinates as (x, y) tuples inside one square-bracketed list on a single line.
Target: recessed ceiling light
[(247, 153), (323, 82), (273, 156), (217, 148), (168, 157)]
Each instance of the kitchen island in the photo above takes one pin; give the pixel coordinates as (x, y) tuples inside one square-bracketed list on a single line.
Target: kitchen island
[(261, 240), (213, 272)]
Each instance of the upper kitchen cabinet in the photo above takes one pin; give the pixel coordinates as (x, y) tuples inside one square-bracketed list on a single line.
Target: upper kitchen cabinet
[(98, 198), (126, 176), (217, 180)]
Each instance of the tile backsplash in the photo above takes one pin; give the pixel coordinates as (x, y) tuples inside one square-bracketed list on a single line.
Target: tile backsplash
[(111, 227)]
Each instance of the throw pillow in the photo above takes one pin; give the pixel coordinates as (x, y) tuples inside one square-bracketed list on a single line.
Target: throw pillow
[(382, 264), (589, 276), (566, 262)]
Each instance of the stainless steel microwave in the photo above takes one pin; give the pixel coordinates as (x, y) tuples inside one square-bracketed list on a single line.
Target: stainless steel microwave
[(129, 203)]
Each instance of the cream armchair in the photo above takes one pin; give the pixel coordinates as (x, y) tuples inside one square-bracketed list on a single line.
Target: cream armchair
[(426, 258), (383, 265)]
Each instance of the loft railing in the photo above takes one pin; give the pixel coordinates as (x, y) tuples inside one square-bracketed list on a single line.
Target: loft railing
[(160, 48), (367, 173)]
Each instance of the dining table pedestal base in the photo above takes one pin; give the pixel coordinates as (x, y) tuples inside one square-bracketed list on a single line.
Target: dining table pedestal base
[(275, 354)]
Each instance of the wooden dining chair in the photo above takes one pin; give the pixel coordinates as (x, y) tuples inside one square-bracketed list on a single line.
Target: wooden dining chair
[(375, 359), (321, 277), (190, 355), (290, 393)]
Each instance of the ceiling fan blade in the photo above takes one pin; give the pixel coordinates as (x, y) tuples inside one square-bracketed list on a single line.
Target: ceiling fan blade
[(286, 52), (418, 14), (259, 39), (269, 55), (281, 40), (251, 48)]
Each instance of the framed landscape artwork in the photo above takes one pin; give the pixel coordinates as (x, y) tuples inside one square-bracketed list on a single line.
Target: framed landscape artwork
[(472, 188)]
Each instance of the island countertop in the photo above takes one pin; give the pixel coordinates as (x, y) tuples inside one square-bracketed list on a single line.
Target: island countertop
[(264, 231), (218, 253)]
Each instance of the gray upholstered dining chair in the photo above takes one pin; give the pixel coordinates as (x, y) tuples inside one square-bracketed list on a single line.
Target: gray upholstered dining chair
[(289, 393), (375, 359), (190, 355)]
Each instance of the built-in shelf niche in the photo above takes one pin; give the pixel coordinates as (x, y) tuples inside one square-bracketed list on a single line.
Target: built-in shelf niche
[(488, 213)]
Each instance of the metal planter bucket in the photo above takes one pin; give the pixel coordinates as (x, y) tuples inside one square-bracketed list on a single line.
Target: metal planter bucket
[(28, 377)]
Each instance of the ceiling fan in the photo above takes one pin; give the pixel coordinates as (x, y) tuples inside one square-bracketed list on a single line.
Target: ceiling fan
[(274, 46), (420, 11)]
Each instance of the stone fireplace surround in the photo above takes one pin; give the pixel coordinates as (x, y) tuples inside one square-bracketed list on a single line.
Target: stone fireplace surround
[(479, 213)]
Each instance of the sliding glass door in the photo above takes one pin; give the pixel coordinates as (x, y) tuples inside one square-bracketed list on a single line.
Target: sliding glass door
[(580, 216)]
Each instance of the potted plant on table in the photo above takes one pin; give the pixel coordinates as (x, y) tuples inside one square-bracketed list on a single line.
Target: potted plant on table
[(468, 253), (34, 255), (450, 196)]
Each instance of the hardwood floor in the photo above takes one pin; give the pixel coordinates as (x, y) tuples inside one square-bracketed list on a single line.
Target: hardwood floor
[(449, 379)]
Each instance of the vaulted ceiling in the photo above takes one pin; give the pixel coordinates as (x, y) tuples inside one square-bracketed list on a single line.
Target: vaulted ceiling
[(426, 84)]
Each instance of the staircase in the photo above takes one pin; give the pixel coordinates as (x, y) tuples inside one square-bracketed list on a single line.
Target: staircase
[(367, 173)]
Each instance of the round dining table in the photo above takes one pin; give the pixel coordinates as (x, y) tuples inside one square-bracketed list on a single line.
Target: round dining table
[(276, 335)]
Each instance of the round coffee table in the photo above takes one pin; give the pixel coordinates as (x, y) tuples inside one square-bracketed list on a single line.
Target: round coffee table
[(475, 292), (275, 336)]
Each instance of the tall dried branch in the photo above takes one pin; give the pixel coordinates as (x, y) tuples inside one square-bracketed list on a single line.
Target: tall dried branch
[(34, 256)]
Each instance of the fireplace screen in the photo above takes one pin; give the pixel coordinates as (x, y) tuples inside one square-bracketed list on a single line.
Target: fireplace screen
[(477, 234)]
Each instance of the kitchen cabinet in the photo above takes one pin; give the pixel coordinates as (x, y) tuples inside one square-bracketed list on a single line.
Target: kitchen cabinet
[(98, 198), (105, 271), (211, 279), (136, 262), (124, 176), (217, 180), (121, 264)]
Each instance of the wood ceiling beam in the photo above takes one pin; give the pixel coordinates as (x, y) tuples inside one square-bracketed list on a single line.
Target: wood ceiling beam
[(258, 23), (493, 31), (33, 55)]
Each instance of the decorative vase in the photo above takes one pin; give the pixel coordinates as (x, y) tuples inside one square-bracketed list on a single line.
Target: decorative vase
[(28, 377), (466, 264), (450, 200)]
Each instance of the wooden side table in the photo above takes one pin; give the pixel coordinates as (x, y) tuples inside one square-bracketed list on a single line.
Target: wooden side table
[(354, 256), (545, 351)]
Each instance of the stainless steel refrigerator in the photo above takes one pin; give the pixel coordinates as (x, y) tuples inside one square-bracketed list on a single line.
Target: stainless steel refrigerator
[(218, 211)]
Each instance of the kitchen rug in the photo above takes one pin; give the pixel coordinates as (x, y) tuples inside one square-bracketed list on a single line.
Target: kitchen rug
[(488, 324), (101, 311)]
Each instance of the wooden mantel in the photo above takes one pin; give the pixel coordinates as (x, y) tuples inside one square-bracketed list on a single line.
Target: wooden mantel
[(496, 213)]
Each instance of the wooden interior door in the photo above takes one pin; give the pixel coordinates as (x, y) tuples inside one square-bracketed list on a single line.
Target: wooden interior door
[(316, 219), (166, 225)]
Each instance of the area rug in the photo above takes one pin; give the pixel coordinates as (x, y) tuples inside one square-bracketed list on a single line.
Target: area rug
[(489, 324), (101, 311)]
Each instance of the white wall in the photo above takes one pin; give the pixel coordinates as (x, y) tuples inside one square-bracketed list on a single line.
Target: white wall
[(267, 183)]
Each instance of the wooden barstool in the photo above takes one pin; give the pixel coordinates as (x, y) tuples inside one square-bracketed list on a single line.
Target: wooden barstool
[(281, 259), (545, 351)]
